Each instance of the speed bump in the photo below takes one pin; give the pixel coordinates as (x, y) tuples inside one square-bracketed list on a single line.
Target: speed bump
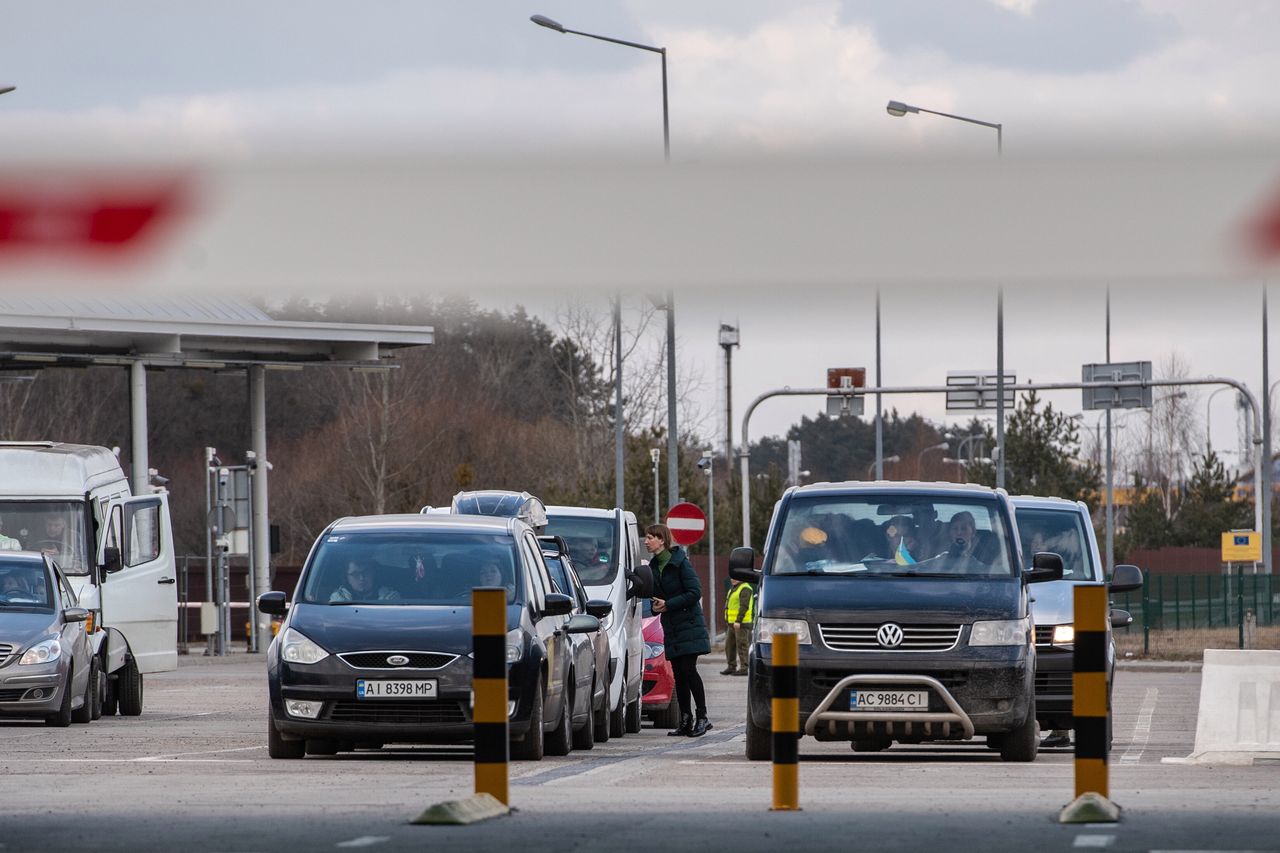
[(475, 808)]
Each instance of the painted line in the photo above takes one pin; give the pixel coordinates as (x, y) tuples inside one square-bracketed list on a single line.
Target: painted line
[(1094, 841), (1142, 729), (173, 755), (365, 841)]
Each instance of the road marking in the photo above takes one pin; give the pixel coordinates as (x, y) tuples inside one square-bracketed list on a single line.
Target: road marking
[(1142, 729), (365, 841), (1094, 841), (174, 755)]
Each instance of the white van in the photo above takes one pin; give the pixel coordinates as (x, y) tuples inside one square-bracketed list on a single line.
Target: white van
[(605, 547), (73, 502)]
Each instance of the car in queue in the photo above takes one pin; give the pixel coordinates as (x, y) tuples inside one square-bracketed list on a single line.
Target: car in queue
[(1066, 528), (376, 646), (910, 607), (590, 651), (47, 667), (660, 703)]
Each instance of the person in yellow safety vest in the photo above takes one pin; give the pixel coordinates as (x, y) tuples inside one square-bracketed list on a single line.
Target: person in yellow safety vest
[(739, 611)]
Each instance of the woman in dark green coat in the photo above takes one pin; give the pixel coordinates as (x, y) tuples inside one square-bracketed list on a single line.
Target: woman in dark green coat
[(677, 596)]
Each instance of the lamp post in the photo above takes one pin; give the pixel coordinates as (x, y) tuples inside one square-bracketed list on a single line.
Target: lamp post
[(4, 90), (942, 445), (899, 109), (673, 473), (707, 463), (655, 453), (879, 463)]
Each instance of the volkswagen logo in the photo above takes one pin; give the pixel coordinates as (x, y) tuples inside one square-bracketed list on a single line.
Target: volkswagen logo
[(401, 660), (889, 635)]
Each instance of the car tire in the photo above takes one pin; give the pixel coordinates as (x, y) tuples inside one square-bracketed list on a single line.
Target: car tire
[(84, 714), (62, 717), (996, 741), (1022, 743), (110, 702), (632, 720), (531, 748), (129, 689), (602, 719), (585, 737), (99, 692), (669, 717), (618, 716), (759, 740), (277, 745), (872, 744), (560, 740), (321, 746)]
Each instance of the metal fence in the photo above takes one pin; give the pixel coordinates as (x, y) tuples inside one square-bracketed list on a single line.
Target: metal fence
[(1184, 602)]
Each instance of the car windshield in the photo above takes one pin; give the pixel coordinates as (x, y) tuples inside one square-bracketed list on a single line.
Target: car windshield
[(1061, 532), (54, 527), (24, 585), (592, 546), (869, 535), (409, 567)]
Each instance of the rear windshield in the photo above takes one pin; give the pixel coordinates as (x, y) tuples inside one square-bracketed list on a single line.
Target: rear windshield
[(416, 567), (892, 535), (1061, 532), (593, 546), (24, 585)]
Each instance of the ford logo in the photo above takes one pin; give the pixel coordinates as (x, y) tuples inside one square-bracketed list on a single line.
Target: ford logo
[(889, 635), (397, 660)]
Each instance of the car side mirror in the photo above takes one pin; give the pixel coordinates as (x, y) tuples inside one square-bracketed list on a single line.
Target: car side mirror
[(272, 603), (1045, 566), (557, 604), (1125, 579), (1121, 618), (582, 624), (599, 608), (111, 560), (742, 565), (640, 582), (75, 614)]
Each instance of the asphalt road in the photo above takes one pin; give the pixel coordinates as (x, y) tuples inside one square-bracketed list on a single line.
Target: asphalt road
[(192, 773)]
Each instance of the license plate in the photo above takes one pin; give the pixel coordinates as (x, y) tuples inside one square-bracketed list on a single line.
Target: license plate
[(889, 700), (367, 689)]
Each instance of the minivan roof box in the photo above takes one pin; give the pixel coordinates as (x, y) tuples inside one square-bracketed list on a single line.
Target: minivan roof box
[(521, 505)]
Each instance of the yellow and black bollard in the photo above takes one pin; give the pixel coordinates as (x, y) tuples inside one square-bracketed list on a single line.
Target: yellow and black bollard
[(785, 690), (489, 714), (1089, 709)]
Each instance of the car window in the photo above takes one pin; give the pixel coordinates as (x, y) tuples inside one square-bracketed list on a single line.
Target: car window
[(410, 567), (593, 546), (866, 535), (538, 570), (1059, 531), (25, 585)]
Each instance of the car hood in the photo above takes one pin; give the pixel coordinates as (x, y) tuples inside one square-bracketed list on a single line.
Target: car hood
[(349, 628), (866, 599), (653, 629), (1053, 602), (21, 629)]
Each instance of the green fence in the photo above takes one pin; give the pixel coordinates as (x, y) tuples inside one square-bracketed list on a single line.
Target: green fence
[(1184, 602)]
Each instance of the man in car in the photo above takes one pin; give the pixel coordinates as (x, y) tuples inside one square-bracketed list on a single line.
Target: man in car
[(8, 543), (965, 541), (56, 543), (359, 586)]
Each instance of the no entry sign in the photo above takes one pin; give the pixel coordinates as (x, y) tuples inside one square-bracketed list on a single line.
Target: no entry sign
[(687, 523)]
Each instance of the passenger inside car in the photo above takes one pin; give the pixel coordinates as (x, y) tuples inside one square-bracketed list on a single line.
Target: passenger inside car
[(359, 584)]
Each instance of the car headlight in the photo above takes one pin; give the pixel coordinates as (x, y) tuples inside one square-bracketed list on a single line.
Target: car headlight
[(515, 645), (44, 651), (296, 647), (652, 650), (1011, 632), (766, 628), (1064, 635)]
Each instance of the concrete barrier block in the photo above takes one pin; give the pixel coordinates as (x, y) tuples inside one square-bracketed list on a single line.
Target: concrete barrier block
[(1239, 716), (475, 808)]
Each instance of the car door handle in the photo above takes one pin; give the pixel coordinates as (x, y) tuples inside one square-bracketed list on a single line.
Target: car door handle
[(166, 580)]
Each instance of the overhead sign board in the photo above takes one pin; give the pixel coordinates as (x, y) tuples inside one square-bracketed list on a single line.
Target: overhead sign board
[(1132, 397), (840, 405), (975, 390), (1242, 546)]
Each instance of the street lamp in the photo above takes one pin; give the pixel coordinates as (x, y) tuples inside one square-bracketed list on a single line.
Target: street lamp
[(894, 458), (942, 445), (899, 109), (4, 90), (707, 463), (655, 453)]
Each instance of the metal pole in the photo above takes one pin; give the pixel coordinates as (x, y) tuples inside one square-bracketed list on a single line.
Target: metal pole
[(1265, 480), (666, 122), (879, 407), (728, 405), (657, 512), (261, 517), (141, 480), (1000, 385), (673, 446), (253, 569), (744, 456), (208, 534), (619, 434), (711, 546), (1111, 509)]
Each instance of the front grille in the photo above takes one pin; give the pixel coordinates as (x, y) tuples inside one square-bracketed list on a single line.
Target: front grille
[(950, 679), (915, 638), (1053, 682), (417, 660), (11, 695), (5, 651), (1044, 635), (408, 712)]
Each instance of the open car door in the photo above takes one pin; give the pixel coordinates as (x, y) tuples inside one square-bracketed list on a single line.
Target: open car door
[(140, 598)]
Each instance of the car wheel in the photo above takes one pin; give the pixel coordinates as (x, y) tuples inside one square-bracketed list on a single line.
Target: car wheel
[(84, 714), (277, 746), (321, 746), (633, 716), (110, 704), (618, 716), (759, 740), (602, 719), (872, 744), (1022, 743), (62, 717), (531, 748), (560, 740), (129, 689), (669, 718), (100, 691), (996, 741), (585, 737)]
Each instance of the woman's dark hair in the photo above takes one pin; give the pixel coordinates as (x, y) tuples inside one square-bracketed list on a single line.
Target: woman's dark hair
[(662, 532)]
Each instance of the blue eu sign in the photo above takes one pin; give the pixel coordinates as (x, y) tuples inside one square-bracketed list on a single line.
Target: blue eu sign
[(1242, 539)]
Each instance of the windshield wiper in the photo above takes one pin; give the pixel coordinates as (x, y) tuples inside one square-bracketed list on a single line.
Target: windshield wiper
[(925, 575)]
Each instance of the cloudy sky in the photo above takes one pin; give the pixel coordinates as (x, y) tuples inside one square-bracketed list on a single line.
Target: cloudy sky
[(747, 77)]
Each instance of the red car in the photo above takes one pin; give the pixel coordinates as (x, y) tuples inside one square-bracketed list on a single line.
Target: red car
[(659, 690)]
